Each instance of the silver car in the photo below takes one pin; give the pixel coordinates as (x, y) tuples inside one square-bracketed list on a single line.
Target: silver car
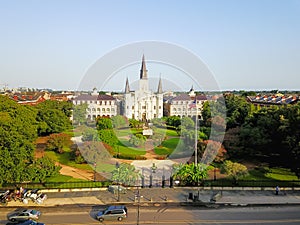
[(26, 214), (114, 212)]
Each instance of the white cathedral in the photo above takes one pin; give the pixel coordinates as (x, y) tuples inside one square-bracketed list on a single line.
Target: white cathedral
[(143, 104)]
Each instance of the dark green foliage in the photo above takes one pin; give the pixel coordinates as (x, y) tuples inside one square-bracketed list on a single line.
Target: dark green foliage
[(190, 174), (108, 136), (173, 121), (18, 131), (104, 123), (41, 169)]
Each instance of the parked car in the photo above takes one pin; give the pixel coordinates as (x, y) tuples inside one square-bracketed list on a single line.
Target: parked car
[(23, 215), (114, 189), (114, 212), (30, 222)]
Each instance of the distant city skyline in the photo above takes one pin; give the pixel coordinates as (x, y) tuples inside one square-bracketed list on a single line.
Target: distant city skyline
[(247, 45)]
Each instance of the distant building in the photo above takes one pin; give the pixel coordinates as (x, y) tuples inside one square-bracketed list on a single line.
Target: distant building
[(186, 105), (269, 100), (64, 96), (97, 105), (143, 104), (30, 98)]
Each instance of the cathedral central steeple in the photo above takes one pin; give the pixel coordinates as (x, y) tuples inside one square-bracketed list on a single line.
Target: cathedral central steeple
[(143, 71)]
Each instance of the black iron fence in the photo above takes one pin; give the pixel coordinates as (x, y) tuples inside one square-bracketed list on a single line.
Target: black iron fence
[(156, 183)]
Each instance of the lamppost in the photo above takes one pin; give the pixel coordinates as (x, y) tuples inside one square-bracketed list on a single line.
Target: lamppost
[(95, 166), (118, 192), (138, 196)]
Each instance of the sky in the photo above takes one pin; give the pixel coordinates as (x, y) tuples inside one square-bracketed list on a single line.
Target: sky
[(246, 44)]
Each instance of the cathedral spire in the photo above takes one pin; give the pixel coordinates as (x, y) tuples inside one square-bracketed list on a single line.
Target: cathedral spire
[(127, 89), (159, 88), (143, 71)]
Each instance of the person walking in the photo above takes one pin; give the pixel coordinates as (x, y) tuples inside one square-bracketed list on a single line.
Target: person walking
[(277, 190)]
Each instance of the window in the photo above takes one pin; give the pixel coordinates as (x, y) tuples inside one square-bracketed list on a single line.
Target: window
[(154, 107), (103, 110), (132, 107), (159, 107), (144, 107), (107, 109)]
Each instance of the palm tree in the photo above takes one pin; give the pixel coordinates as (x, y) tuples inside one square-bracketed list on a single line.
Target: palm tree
[(190, 174), (126, 174)]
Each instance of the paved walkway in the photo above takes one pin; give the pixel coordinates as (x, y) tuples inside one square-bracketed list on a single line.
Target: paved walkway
[(154, 196)]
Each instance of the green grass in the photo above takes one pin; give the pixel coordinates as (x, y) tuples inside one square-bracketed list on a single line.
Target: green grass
[(281, 174), (123, 148), (167, 146), (63, 178), (64, 159)]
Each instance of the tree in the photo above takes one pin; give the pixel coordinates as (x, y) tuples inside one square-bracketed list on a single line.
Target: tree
[(211, 151), (64, 106), (173, 121), (137, 140), (57, 142), (79, 113), (126, 174), (133, 123), (90, 134), (105, 131), (108, 136), (237, 110), (41, 169), (17, 133), (104, 123), (119, 121), (159, 122), (190, 174), (94, 152), (52, 121), (234, 169)]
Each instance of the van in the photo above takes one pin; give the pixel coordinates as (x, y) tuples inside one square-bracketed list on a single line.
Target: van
[(114, 212)]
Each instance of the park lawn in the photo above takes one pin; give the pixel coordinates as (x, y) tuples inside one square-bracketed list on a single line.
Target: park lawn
[(132, 151), (167, 132), (167, 146), (265, 173), (125, 148), (64, 158), (277, 173), (63, 178)]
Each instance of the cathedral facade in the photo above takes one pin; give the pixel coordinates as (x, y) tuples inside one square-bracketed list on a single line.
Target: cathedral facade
[(143, 104)]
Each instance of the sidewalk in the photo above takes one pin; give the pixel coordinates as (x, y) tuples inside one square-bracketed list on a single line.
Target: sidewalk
[(173, 196)]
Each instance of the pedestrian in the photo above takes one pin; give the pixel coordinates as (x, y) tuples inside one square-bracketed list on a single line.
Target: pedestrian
[(277, 190)]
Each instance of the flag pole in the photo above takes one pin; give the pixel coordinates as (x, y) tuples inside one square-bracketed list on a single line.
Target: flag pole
[(196, 136)]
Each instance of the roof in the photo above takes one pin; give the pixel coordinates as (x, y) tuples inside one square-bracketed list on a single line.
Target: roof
[(182, 97), (273, 99), (87, 97)]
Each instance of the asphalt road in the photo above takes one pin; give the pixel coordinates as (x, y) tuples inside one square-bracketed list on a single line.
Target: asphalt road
[(285, 215)]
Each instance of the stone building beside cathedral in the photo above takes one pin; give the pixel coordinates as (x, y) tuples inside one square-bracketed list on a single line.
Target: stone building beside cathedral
[(143, 104)]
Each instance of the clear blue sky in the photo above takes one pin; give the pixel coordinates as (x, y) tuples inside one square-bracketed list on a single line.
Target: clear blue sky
[(248, 45)]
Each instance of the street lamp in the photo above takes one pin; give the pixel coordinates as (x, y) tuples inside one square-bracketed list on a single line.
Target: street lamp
[(95, 165), (118, 167)]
